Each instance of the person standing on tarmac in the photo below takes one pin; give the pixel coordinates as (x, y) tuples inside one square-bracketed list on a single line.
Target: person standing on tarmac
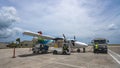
[(96, 48), (65, 49)]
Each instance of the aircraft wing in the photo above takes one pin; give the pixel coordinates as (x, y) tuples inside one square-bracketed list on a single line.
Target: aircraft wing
[(37, 35)]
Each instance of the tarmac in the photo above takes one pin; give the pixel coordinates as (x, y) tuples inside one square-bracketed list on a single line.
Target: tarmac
[(25, 59)]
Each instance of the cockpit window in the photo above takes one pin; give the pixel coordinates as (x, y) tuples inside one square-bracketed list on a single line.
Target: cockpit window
[(72, 40), (100, 41)]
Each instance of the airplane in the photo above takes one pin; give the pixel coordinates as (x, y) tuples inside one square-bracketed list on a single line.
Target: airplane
[(45, 39), (76, 44)]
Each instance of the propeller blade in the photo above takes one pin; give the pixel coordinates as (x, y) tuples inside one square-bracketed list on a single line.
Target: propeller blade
[(73, 42), (74, 38), (64, 38)]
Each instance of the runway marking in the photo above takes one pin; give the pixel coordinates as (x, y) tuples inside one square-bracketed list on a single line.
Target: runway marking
[(114, 56), (68, 65), (114, 53)]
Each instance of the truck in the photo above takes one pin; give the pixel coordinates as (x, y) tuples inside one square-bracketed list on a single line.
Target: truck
[(39, 48), (102, 45), (59, 47)]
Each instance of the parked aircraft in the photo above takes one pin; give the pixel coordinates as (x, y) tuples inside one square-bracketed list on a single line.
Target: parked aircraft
[(45, 39), (76, 44)]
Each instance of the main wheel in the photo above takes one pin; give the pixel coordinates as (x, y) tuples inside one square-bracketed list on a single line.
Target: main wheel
[(78, 50), (83, 50), (106, 52), (55, 52)]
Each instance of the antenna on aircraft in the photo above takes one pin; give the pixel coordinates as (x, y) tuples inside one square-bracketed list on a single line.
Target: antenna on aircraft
[(74, 38)]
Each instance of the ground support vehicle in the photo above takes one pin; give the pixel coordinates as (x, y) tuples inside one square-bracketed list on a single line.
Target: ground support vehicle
[(39, 48), (102, 45)]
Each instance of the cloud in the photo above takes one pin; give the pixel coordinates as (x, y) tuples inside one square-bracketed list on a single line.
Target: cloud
[(8, 16), (83, 18), (11, 32), (71, 18), (66, 17), (112, 27)]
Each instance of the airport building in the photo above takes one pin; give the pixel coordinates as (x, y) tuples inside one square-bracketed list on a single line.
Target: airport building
[(3, 45), (26, 44)]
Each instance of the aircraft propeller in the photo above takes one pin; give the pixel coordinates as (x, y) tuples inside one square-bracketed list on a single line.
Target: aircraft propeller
[(73, 42), (64, 38)]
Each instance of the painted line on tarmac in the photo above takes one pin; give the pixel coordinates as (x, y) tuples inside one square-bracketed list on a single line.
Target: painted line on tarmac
[(68, 65), (114, 57), (114, 52)]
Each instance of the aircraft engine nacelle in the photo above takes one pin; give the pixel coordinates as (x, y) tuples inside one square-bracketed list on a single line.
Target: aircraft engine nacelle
[(80, 45)]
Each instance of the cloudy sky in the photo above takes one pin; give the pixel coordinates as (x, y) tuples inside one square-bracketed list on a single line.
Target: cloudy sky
[(86, 19)]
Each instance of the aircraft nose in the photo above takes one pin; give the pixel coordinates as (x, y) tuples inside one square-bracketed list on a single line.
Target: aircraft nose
[(86, 44)]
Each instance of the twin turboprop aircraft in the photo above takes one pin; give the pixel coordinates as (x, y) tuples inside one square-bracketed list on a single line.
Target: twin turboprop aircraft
[(45, 39)]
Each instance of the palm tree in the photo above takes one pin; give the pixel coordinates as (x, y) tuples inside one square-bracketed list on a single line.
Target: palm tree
[(18, 41)]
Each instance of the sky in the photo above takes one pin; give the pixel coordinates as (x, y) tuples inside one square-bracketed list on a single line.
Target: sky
[(85, 19)]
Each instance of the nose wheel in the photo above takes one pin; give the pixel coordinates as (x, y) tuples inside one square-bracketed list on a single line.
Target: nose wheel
[(83, 50), (78, 50)]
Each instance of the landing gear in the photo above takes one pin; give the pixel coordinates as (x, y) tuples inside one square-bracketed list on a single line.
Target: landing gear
[(83, 50), (78, 50)]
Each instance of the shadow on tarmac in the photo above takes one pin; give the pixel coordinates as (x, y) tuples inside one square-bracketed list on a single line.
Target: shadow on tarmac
[(28, 55)]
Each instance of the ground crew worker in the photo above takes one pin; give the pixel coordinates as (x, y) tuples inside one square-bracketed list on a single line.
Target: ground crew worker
[(46, 48), (96, 48), (65, 48), (41, 47)]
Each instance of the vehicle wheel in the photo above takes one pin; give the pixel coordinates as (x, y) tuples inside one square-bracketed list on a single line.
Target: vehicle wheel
[(33, 52), (64, 53), (68, 53), (42, 51), (78, 50), (37, 52), (94, 51), (54, 52), (106, 52), (46, 51)]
